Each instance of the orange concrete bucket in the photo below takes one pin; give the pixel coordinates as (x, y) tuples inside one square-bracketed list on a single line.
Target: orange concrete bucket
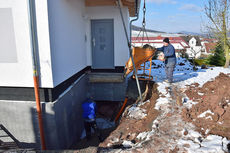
[(140, 55)]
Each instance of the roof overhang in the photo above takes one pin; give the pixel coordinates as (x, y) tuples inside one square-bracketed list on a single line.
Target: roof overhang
[(133, 5)]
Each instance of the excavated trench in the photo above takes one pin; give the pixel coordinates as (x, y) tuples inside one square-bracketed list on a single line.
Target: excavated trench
[(108, 110), (175, 127), (161, 130)]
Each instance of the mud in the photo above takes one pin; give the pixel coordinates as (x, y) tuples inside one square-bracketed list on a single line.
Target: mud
[(173, 122), (213, 97), (129, 128)]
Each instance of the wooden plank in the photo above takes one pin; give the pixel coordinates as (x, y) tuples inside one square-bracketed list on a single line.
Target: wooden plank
[(100, 2), (129, 3), (131, 6)]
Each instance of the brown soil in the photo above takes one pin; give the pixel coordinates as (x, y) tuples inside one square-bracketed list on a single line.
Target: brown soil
[(109, 110), (213, 96), (129, 128)]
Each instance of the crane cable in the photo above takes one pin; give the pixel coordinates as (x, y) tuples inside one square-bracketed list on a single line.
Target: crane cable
[(143, 29)]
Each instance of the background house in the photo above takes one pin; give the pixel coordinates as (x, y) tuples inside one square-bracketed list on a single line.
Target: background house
[(73, 37), (179, 44), (195, 48), (208, 45)]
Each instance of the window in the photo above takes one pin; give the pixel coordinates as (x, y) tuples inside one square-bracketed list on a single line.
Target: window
[(7, 38)]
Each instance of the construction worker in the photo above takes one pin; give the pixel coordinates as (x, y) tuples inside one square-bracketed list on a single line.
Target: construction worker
[(169, 59), (89, 116)]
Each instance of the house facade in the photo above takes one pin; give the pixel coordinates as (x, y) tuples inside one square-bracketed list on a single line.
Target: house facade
[(195, 47), (74, 38), (208, 45)]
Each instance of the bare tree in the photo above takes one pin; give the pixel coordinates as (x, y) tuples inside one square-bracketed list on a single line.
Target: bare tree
[(217, 12), (194, 54)]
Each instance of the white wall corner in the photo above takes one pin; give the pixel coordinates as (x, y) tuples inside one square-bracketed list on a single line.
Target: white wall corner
[(46, 76)]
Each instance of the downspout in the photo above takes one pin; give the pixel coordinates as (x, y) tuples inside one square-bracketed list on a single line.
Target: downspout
[(130, 28), (34, 52), (137, 17), (130, 48)]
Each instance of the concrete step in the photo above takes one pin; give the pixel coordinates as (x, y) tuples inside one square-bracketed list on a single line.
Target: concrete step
[(106, 77), (107, 86), (1, 136)]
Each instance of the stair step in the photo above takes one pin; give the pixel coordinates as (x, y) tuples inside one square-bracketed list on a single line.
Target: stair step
[(106, 77), (9, 145), (1, 136)]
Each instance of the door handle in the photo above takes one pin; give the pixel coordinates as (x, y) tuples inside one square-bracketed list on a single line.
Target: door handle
[(94, 42)]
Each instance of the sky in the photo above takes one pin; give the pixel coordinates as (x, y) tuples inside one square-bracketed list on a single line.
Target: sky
[(173, 15)]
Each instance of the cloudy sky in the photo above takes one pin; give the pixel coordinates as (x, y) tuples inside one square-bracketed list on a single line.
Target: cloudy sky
[(173, 15)]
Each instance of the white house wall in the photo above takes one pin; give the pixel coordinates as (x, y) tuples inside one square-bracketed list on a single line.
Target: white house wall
[(194, 52), (67, 38), (120, 43), (46, 76), (63, 29), (18, 72)]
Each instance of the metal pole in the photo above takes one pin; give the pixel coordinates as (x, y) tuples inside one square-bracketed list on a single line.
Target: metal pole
[(34, 50), (130, 49)]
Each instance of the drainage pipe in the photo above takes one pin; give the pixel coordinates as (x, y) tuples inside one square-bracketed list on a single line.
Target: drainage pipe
[(131, 22), (130, 47), (121, 110), (34, 53)]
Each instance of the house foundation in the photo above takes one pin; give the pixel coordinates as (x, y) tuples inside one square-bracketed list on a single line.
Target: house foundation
[(63, 123)]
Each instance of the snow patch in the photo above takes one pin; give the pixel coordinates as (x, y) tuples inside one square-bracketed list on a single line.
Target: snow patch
[(141, 104), (160, 102), (136, 112), (200, 94), (189, 103), (164, 96), (142, 135), (127, 144), (207, 131), (202, 115), (195, 143)]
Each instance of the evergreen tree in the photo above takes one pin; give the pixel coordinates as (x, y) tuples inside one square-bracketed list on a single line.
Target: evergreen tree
[(218, 59), (218, 12)]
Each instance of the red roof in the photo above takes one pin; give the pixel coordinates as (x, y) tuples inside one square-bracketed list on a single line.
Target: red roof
[(209, 40), (156, 38), (159, 39), (210, 47)]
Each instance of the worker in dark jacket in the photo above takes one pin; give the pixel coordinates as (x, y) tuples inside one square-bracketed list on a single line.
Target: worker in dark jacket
[(169, 59), (89, 115)]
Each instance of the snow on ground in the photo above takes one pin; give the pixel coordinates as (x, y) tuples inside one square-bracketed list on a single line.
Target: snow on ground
[(194, 143), (204, 113), (136, 112), (170, 131), (164, 96), (188, 103), (184, 75)]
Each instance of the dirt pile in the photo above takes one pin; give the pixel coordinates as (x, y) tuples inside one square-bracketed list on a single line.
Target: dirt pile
[(129, 128), (211, 114)]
